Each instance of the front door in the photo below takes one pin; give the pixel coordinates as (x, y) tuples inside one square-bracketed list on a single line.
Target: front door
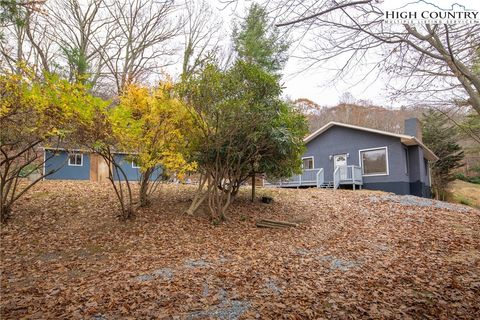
[(340, 160)]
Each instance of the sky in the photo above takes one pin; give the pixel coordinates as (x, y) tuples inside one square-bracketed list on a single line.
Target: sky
[(316, 84), (323, 88), (319, 84)]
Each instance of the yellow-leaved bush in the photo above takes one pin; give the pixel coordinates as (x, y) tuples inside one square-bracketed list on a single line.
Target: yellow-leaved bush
[(151, 125), (36, 112)]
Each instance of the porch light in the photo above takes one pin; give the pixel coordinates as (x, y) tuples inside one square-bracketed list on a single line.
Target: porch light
[(330, 157)]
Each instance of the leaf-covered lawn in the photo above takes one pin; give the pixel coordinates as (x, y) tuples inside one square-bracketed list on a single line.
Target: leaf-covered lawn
[(355, 254)]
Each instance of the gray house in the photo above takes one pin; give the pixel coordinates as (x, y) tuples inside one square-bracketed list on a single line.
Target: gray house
[(340, 155)]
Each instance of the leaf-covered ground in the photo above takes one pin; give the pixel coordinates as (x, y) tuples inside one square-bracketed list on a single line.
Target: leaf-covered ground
[(355, 255)]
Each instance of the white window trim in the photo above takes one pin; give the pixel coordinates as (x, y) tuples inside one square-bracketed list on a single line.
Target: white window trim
[(429, 175), (313, 162), (360, 162), (407, 159), (75, 165), (134, 166)]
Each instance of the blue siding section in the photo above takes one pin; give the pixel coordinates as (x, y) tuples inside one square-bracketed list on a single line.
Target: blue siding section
[(133, 174), (59, 160)]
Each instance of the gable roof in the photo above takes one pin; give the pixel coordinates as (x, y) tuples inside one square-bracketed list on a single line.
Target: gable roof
[(405, 139)]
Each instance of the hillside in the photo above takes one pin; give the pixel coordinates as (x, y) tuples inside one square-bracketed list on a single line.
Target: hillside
[(465, 192), (371, 116), (356, 254)]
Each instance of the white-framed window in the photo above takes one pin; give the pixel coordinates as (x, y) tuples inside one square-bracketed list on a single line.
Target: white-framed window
[(75, 159), (307, 163), (135, 165), (405, 150), (374, 161)]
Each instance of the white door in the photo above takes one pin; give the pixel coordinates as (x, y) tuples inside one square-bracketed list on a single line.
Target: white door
[(340, 160)]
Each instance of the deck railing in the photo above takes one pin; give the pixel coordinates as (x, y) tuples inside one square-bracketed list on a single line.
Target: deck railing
[(337, 177), (309, 177), (347, 175), (320, 178), (316, 177), (357, 174)]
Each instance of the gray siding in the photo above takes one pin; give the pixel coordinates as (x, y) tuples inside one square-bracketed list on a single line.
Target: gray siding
[(419, 172), (413, 128), (340, 140), (59, 161)]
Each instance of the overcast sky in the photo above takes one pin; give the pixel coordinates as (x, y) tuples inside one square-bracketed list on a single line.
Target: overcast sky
[(317, 84), (320, 84)]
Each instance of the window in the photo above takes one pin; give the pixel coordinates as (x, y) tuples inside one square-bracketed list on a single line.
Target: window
[(374, 161), (75, 159), (307, 163), (406, 160), (135, 165)]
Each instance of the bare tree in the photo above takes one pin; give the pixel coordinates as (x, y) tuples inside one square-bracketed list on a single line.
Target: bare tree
[(141, 33), (109, 43), (202, 35), (81, 31), (27, 42), (434, 62), (12, 50), (346, 98)]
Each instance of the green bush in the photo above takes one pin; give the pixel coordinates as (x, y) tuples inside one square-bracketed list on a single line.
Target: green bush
[(461, 176), (29, 169), (465, 202), (475, 180)]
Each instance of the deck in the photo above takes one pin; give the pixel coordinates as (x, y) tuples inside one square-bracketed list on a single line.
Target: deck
[(343, 175)]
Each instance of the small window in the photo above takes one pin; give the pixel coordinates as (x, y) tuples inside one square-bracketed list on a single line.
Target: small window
[(406, 160), (135, 165), (307, 163), (75, 159), (374, 161)]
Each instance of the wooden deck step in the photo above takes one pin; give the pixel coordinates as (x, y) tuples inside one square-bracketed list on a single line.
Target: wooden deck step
[(327, 185)]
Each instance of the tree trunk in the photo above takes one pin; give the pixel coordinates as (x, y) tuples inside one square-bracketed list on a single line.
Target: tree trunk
[(5, 211), (128, 212), (253, 187), (144, 185), (124, 197), (199, 197), (143, 196)]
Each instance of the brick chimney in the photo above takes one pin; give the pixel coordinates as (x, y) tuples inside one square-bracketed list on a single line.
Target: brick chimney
[(413, 128)]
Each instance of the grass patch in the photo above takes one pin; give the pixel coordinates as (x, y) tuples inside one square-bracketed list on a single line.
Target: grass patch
[(465, 193)]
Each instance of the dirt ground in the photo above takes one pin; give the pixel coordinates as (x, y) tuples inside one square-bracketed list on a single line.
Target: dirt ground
[(355, 254)]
